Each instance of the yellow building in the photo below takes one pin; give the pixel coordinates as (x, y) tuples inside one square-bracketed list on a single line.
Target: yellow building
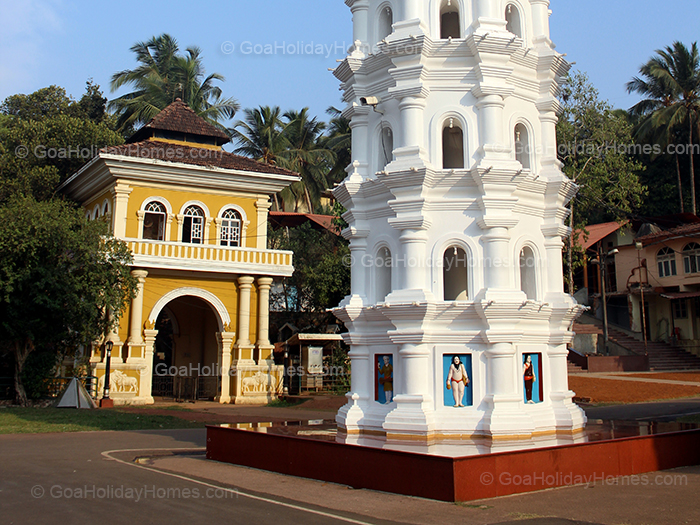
[(195, 219)]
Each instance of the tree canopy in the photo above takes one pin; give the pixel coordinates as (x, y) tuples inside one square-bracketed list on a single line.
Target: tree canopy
[(60, 275)]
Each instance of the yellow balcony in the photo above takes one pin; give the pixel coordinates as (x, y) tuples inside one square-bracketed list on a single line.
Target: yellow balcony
[(210, 258)]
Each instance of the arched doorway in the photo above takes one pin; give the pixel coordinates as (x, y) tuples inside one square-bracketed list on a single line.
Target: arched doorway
[(186, 361)]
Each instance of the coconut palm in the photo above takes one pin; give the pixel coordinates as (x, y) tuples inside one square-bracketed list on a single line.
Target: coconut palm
[(260, 135), (307, 156), (338, 139), (164, 75), (670, 83)]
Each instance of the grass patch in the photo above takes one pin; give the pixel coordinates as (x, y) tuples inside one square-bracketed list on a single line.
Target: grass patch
[(283, 403), (45, 420)]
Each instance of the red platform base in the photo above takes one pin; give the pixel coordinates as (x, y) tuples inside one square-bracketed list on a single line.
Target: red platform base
[(106, 403), (454, 479)]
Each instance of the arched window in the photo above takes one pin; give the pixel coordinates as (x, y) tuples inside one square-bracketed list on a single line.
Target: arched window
[(383, 274), (691, 258), (386, 21), (522, 146), (231, 227), (455, 274), (666, 259), (528, 273), (513, 20), (154, 222), (449, 20), (386, 148), (193, 226), (452, 145)]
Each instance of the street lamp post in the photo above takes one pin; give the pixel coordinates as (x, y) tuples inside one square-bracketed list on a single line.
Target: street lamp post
[(603, 260), (639, 247), (106, 402), (285, 372)]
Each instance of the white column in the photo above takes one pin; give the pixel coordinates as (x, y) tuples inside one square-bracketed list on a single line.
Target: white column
[(136, 321), (263, 207), (412, 127), (243, 343), (120, 193), (491, 120), (225, 344), (554, 266), (498, 265), (359, 124), (548, 145), (146, 379), (413, 9), (413, 267), (360, 24), (263, 344), (488, 15), (358, 271), (540, 20)]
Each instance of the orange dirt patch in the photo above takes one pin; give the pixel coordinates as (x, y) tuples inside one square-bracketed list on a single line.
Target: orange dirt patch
[(613, 391), (673, 376)]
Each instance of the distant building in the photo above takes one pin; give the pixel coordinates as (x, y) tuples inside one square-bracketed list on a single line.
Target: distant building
[(660, 257), (195, 218)]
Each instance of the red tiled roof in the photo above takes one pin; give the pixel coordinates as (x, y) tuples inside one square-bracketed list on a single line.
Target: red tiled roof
[(169, 152), (180, 118), (687, 230), (596, 233)]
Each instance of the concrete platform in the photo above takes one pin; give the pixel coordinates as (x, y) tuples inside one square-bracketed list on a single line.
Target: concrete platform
[(310, 450)]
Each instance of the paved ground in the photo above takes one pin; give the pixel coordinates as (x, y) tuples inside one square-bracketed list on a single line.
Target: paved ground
[(162, 477)]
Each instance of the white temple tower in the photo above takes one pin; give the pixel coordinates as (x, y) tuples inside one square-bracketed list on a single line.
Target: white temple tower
[(456, 207)]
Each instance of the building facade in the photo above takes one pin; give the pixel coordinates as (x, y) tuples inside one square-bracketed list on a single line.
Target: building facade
[(458, 321), (195, 219)]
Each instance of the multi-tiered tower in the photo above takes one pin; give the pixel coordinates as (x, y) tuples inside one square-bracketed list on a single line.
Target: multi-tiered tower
[(456, 207)]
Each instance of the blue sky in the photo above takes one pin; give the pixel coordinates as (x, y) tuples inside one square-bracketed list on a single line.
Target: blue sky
[(65, 42)]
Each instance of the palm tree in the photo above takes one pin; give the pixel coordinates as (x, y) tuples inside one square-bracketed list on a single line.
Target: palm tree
[(307, 156), (164, 75), (671, 84), (339, 141), (260, 135)]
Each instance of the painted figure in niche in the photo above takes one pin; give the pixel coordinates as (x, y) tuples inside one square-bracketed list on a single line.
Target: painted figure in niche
[(386, 378), (457, 380), (529, 378)]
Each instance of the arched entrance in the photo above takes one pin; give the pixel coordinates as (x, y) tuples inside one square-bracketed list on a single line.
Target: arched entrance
[(187, 348)]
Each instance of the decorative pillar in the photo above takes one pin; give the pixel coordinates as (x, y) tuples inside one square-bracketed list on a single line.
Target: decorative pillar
[(412, 125), (120, 194), (135, 338), (263, 344), (360, 34), (358, 272), (359, 124), (491, 119), (414, 268), (540, 20), (146, 379), (243, 345), (488, 15), (225, 340), (263, 207)]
